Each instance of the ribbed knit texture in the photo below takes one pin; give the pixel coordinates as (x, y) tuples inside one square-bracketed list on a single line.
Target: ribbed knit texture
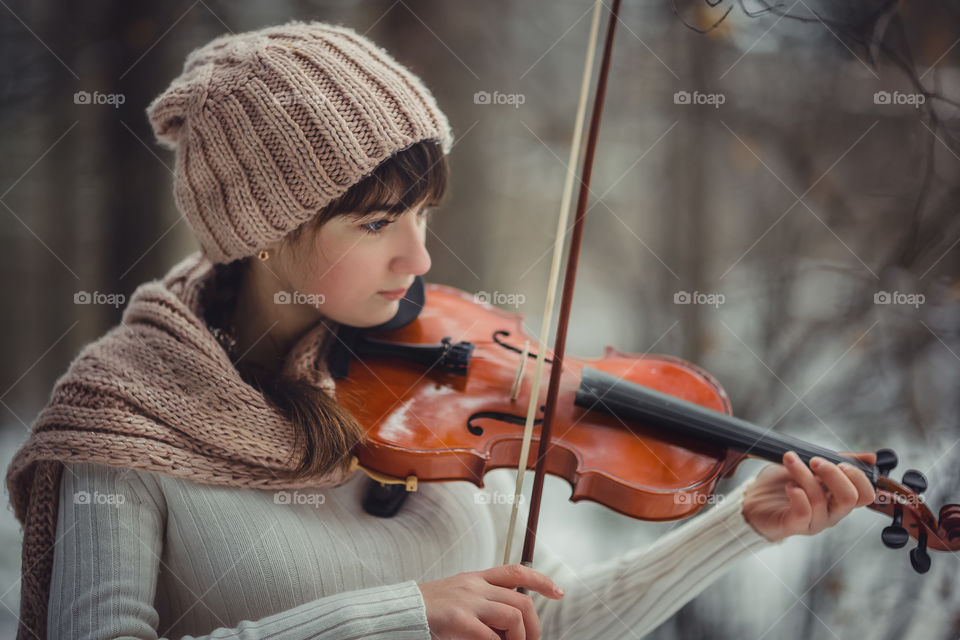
[(181, 560), (271, 125), (156, 392)]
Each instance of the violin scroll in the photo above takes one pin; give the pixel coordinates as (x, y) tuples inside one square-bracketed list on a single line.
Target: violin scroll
[(911, 516)]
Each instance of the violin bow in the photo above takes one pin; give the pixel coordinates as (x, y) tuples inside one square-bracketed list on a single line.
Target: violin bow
[(566, 299)]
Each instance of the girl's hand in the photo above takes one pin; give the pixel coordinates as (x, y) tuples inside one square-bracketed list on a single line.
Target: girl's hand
[(471, 605), (790, 499)]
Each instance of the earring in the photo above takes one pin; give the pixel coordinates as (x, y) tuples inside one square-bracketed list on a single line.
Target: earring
[(263, 255)]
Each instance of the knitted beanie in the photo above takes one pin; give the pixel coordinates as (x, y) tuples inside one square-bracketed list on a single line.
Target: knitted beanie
[(270, 126)]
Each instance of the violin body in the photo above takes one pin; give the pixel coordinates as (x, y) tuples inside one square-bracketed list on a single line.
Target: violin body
[(646, 435), (440, 427)]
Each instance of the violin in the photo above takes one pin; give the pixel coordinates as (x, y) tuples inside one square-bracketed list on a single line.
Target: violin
[(646, 435)]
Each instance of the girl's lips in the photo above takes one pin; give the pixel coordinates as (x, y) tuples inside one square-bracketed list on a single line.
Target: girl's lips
[(394, 294)]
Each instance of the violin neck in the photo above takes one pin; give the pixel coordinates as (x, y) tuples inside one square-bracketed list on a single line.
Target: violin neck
[(601, 391)]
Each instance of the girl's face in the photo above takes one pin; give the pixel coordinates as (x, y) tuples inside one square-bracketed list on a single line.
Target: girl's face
[(343, 267)]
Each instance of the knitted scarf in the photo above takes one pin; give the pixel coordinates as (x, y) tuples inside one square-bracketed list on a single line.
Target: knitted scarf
[(159, 393)]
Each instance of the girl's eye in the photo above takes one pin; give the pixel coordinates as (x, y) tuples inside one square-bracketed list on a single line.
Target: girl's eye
[(373, 229), (377, 226)]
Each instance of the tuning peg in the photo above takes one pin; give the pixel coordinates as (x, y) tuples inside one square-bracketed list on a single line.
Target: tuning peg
[(915, 480), (919, 557), (886, 460), (895, 536)]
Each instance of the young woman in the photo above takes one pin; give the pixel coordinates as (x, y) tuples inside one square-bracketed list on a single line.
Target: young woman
[(188, 477)]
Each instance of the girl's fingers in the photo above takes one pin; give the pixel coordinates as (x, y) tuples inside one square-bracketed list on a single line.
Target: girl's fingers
[(810, 484), (497, 615), (512, 576), (843, 493), (869, 458), (800, 509), (521, 602), (476, 630), (867, 494)]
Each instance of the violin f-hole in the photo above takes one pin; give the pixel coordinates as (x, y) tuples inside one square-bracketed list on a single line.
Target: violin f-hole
[(509, 418)]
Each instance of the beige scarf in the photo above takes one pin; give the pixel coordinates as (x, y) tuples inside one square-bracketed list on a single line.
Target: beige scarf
[(157, 392)]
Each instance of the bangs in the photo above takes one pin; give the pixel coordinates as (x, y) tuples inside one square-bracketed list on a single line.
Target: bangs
[(411, 177)]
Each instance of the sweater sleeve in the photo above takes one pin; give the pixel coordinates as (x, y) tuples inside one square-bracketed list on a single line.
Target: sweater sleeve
[(634, 593), (106, 562)]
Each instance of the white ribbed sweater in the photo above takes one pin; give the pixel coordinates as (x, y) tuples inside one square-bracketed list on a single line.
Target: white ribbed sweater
[(150, 555)]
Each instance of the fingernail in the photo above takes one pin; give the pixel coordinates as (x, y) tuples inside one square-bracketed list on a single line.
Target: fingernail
[(815, 463), (558, 590)]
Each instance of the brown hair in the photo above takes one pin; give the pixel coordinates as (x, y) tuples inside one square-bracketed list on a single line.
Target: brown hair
[(325, 432)]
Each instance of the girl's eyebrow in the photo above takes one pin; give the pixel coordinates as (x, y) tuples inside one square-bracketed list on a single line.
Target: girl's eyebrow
[(393, 209), (375, 211)]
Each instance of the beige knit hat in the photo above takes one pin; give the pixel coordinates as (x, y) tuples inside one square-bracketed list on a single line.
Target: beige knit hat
[(269, 126)]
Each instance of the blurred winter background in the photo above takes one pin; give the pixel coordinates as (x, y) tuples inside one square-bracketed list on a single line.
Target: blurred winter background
[(775, 199)]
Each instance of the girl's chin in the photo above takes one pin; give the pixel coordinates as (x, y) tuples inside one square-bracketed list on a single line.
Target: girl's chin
[(385, 311)]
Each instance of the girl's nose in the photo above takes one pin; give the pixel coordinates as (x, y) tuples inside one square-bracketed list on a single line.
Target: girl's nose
[(413, 255)]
